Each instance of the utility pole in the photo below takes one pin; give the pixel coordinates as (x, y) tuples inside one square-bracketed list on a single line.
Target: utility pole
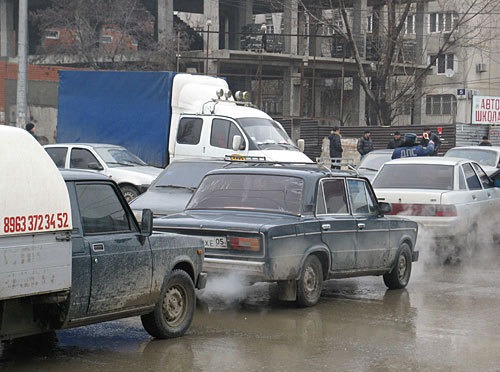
[(22, 63)]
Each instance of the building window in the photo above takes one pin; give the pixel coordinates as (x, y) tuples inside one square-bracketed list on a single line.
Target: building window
[(442, 104), (442, 22), (443, 62), (369, 23), (52, 34), (106, 39), (409, 27)]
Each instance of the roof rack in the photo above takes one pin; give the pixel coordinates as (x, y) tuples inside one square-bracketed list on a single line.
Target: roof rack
[(338, 163)]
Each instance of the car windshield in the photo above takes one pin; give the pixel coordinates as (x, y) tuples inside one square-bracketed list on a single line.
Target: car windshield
[(118, 156), (184, 174), (415, 176), (256, 192), (483, 157), (374, 161), (266, 133)]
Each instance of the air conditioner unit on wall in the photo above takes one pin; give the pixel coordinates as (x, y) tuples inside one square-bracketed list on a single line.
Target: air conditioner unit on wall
[(481, 67)]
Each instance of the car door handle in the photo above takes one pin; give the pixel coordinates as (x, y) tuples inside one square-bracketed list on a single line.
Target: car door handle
[(98, 247), (326, 226), (489, 196), (361, 226), (474, 197)]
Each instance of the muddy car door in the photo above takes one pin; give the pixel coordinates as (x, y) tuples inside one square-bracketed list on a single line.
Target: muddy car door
[(121, 259), (372, 237), (338, 226)]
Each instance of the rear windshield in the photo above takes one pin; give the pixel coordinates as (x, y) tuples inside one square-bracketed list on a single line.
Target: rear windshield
[(415, 176), (184, 174), (483, 157), (257, 192)]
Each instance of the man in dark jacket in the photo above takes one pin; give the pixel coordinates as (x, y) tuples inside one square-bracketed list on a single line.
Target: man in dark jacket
[(409, 149), (396, 141), (429, 135), (335, 144), (365, 144), (485, 142)]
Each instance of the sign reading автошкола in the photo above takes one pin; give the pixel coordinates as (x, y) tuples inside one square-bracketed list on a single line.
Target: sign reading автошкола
[(485, 110)]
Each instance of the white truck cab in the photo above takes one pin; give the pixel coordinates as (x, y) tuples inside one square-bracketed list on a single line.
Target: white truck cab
[(35, 219), (221, 126)]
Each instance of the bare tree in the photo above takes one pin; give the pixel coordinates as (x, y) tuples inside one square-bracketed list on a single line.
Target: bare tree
[(392, 81), (103, 34)]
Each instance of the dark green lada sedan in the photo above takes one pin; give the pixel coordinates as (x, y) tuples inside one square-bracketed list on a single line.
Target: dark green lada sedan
[(297, 226)]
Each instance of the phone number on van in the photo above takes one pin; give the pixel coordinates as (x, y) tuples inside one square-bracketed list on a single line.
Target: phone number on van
[(36, 222)]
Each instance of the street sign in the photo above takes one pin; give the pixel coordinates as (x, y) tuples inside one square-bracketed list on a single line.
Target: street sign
[(485, 110)]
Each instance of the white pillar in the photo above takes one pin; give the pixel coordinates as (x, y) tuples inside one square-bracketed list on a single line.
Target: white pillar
[(290, 25), (7, 48), (358, 94), (165, 20), (211, 13)]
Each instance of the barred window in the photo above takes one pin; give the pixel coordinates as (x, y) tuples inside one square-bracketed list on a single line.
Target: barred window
[(443, 104)]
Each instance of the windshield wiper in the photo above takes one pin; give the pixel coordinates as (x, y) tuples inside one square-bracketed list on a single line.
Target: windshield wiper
[(119, 163), (177, 187), (371, 169)]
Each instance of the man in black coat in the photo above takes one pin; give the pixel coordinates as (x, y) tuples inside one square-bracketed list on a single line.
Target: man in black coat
[(335, 144), (396, 141), (429, 135), (365, 144)]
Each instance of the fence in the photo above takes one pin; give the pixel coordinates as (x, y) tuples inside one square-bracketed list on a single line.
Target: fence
[(313, 134)]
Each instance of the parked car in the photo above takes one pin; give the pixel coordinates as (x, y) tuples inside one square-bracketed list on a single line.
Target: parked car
[(371, 163), (449, 197), (488, 157), (296, 225), (130, 173), (171, 190)]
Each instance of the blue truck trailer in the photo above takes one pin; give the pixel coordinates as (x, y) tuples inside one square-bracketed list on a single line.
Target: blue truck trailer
[(163, 116)]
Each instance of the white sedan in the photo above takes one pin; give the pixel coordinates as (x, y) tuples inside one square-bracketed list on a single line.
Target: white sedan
[(452, 199), (488, 157)]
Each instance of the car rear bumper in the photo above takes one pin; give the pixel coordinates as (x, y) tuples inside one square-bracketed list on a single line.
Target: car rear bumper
[(441, 226), (251, 269)]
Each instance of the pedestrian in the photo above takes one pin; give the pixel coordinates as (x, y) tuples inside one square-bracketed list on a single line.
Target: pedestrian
[(485, 142), (30, 127), (410, 149), (396, 141), (365, 144), (335, 145), (429, 135)]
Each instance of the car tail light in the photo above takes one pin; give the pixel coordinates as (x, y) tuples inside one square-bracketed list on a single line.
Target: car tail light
[(446, 210), (429, 210), (245, 244)]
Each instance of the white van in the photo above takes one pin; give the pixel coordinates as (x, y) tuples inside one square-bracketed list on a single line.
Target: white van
[(35, 219)]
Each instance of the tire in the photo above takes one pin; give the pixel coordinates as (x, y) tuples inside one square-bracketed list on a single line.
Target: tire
[(174, 312), (399, 277), (310, 282), (129, 192)]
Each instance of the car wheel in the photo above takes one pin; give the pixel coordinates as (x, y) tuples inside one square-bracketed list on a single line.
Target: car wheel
[(310, 282), (400, 276), (174, 312), (129, 192)]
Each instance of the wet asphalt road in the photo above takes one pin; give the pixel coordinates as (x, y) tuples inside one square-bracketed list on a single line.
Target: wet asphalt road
[(447, 319)]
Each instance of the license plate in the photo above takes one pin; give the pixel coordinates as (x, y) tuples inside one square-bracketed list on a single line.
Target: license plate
[(212, 242)]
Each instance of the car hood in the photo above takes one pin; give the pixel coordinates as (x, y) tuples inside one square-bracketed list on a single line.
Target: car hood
[(136, 175), (367, 173), (224, 220), (489, 170), (282, 155), (162, 201)]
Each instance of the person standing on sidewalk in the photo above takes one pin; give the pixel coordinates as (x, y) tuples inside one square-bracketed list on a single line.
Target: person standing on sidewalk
[(335, 145), (365, 144)]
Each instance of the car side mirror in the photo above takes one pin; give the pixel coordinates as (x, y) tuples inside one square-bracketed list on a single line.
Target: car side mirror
[(384, 208), (301, 144), (237, 143), (95, 166), (147, 222)]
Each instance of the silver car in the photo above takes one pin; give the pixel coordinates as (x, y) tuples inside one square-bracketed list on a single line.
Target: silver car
[(371, 163), (452, 199), (488, 157), (131, 173)]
